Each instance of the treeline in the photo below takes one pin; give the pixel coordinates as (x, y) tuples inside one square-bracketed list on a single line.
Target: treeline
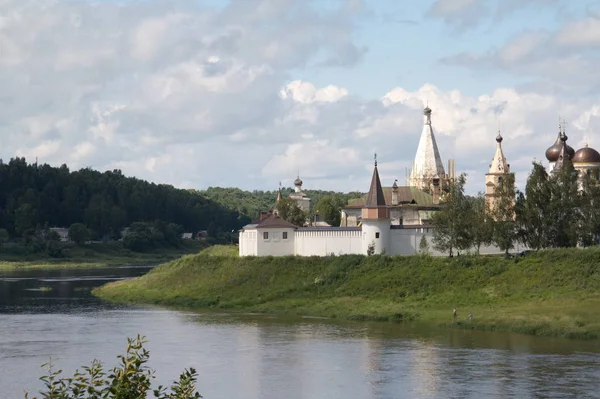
[(251, 203), (33, 196), (557, 210)]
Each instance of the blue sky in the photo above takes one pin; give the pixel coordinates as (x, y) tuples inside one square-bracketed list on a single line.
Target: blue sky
[(245, 93)]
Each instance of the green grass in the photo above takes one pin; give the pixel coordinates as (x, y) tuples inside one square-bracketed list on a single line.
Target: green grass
[(554, 292), (93, 255)]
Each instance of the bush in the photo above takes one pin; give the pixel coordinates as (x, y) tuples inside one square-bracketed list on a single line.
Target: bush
[(131, 380)]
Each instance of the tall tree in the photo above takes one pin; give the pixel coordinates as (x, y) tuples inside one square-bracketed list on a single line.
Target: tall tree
[(564, 204), (329, 209), (452, 222), (534, 209), (481, 224), (503, 214), (290, 211)]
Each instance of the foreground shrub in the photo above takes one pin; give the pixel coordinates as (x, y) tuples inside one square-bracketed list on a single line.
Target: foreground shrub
[(130, 380)]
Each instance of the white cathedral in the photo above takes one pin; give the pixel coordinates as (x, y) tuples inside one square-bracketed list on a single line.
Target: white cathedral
[(391, 220)]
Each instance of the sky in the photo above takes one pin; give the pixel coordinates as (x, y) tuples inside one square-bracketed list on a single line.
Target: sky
[(249, 93)]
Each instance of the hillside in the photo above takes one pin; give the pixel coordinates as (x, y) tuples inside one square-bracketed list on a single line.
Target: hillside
[(250, 203), (554, 292), (33, 195)]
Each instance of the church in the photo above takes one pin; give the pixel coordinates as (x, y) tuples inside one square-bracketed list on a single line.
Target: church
[(390, 220)]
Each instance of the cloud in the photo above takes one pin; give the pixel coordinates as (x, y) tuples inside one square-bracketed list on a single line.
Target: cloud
[(196, 97), (462, 15), (562, 61)]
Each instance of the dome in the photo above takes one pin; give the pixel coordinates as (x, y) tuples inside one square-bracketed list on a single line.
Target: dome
[(298, 181), (586, 155), (553, 152), (427, 110)]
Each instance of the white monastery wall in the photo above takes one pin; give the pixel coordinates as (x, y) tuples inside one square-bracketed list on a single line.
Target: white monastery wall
[(315, 242), (276, 242), (327, 242), (247, 243)]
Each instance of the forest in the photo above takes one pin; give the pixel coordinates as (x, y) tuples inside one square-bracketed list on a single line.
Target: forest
[(33, 196), (556, 210)]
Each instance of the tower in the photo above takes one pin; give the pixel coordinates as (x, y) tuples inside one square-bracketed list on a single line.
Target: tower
[(375, 218), (299, 196), (564, 155), (428, 162), (553, 152), (498, 173)]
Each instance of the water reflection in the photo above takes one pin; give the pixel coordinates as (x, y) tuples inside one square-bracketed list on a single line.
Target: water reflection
[(52, 314)]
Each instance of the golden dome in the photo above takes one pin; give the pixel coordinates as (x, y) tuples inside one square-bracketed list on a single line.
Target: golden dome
[(586, 155)]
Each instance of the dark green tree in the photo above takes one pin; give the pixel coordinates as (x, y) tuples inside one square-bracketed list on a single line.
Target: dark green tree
[(533, 209), (290, 211), (505, 231), (78, 233), (329, 209), (424, 246), (481, 224), (452, 230), (3, 237)]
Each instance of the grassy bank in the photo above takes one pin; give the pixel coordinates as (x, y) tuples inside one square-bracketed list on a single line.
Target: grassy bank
[(93, 255), (554, 293)]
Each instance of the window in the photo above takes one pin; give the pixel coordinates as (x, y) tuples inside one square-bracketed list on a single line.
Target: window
[(376, 235), (284, 235), (266, 235)]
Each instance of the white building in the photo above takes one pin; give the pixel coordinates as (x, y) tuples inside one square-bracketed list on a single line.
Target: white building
[(273, 236), (299, 196), (428, 165), (391, 220)]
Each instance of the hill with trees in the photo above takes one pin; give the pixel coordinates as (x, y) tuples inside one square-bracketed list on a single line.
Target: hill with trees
[(250, 203), (35, 196)]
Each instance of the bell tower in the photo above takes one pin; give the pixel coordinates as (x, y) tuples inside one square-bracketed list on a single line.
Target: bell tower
[(497, 175), (375, 219)]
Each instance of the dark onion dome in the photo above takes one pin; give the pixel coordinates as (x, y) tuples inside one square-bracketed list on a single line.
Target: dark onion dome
[(427, 110), (586, 155), (553, 152), (298, 181), (499, 138)]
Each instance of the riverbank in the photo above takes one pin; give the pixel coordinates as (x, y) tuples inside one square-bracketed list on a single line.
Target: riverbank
[(95, 255), (550, 293)]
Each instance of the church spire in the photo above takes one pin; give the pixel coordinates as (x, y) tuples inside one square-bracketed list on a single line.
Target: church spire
[(499, 164), (564, 157), (375, 197), (428, 162)]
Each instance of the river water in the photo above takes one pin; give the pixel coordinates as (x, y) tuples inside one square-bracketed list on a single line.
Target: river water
[(51, 314)]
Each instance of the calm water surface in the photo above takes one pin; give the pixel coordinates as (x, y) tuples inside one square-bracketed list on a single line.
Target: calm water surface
[(50, 314)]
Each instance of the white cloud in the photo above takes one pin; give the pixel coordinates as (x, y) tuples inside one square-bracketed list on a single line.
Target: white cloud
[(198, 98), (584, 32)]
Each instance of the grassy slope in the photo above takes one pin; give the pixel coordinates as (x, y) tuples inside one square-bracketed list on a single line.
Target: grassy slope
[(95, 255), (554, 292)]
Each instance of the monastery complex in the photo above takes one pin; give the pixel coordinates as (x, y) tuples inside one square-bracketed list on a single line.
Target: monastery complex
[(393, 220)]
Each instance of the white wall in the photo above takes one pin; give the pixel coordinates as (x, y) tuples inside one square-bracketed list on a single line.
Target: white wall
[(247, 243), (370, 229), (275, 244), (325, 242)]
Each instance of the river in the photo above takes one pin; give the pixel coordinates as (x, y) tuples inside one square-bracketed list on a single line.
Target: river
[(51, 314)]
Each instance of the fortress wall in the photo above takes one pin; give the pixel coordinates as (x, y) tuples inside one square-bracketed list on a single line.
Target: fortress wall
[(327, 242)]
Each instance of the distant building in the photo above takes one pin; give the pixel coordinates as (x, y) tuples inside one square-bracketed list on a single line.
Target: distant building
[(63, 233), (299, 196), (187, 236), (496, 176)]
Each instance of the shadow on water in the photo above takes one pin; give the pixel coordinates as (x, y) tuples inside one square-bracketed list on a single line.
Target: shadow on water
[(58, 290)]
